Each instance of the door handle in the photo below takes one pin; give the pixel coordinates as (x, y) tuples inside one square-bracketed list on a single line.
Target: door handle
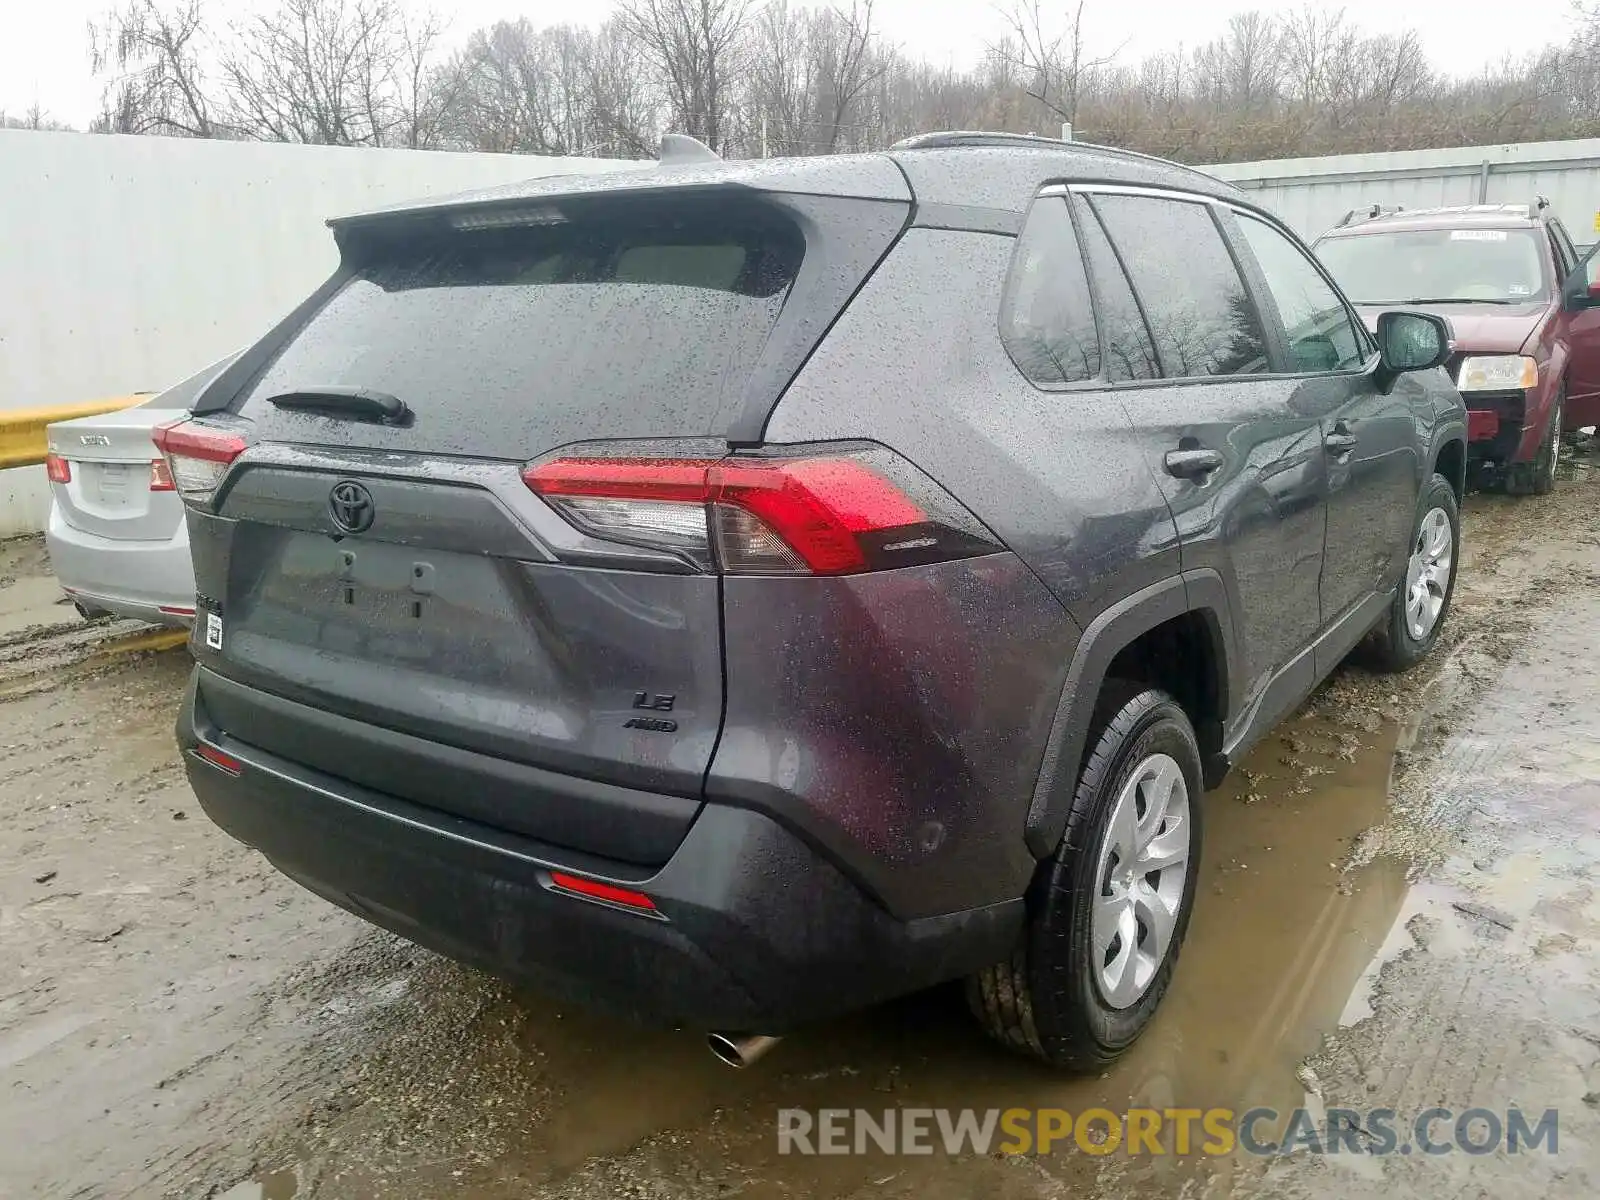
[(1341, 441), (1194, 463)]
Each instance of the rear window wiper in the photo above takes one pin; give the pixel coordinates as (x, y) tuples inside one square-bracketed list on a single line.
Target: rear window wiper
[(348, 403)]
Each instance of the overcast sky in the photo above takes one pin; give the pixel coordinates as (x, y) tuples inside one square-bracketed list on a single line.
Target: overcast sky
[(44, 52)]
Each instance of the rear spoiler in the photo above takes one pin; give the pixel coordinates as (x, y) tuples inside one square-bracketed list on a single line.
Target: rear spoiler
[(851, 176)]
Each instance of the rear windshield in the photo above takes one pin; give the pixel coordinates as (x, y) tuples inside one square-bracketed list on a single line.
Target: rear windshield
[(508, 342), (1418, 266)]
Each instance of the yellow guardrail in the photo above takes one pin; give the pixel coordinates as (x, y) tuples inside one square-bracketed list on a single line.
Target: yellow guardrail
[(22, 440)]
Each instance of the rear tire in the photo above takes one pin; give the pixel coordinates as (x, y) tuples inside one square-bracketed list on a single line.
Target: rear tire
[(1067, 994), (1538, 478), (1403, 640)]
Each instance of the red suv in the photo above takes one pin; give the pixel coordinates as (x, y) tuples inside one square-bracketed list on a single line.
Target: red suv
[(1524, 307)]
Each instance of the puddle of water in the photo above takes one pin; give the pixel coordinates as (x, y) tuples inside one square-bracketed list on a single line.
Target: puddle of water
[(275, 1185)]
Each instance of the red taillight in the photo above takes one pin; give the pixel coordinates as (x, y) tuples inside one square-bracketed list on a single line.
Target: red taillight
[(197, 457), (682, 479), (822, 516), (57, 468), (217, 758), (816, 505), (161, 476), (595, 890)]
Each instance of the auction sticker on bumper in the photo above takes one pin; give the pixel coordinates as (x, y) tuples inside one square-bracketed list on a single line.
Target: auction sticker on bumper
[(213, 631)]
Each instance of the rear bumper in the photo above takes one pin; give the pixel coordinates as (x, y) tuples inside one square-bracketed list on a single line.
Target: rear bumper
[(756, 931), (150, 581)]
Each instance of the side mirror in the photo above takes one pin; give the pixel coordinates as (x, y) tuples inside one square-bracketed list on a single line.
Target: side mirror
[(1411, 341)]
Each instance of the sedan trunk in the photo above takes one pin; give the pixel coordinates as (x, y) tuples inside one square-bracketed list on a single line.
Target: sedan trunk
[(111, 490)]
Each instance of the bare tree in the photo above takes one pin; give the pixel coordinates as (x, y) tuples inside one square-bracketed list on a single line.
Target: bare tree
[(424, 95), (812, 77), (626, 117), (809, 72), (515, 88), (695, 47), (1056, 62), (153, 52), (1242, 69), (33, 117), (333, 72)]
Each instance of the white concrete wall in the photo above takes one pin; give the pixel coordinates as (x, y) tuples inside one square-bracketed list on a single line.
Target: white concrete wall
[(127, 263), (1312, 194)]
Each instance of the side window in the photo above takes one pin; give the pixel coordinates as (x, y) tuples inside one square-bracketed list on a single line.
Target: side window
[(1320, 332), (1199, 311), (1047, 320), (1130, 354)]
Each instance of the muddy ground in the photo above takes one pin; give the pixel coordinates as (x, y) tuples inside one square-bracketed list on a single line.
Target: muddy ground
[(1398, 908)]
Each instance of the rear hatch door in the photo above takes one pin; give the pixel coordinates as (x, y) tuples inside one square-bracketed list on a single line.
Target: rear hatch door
[(402, 575)]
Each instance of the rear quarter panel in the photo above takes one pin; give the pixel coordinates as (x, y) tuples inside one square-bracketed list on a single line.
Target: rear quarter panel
[(897, 718)]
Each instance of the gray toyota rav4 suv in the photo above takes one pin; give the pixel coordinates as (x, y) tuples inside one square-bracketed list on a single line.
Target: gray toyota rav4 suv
[(738, 593)]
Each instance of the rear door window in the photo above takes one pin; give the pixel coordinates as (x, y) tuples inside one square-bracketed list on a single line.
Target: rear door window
[(1130, 354), (1317, 326), (506, 342), (1047, 319), (1199, 311)]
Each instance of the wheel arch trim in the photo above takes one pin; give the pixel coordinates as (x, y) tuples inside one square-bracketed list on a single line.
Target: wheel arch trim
[(1200, 591)]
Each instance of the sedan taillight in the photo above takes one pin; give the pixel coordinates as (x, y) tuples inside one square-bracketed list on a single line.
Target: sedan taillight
[(197, 457), (57, 468)]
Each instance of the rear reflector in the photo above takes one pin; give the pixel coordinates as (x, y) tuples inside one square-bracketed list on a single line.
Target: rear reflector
[(175, 610), (57, 468), (217, 758), (826, 515), (197, 457), (595, 890)]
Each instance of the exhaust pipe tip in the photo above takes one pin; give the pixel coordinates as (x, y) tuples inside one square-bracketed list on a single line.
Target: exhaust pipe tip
[(740, 1050)]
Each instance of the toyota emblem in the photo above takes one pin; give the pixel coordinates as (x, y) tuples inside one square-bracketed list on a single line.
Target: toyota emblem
[(350, 505)]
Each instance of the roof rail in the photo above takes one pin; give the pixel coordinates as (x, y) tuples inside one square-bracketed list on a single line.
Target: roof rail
[(979, 137), (975, 137), (678, 149), (1368, 213)]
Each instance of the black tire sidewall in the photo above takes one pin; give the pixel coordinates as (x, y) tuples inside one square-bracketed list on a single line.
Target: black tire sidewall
[(1408, 650), (1550, 453), (1074, 1023)]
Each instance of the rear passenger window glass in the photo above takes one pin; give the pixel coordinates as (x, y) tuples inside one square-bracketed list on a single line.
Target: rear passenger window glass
[(1320, 334), (1202, 317), (1129, 352), (1047, 323)]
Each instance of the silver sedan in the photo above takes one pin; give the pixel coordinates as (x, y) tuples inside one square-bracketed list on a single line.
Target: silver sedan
[(117, 537)]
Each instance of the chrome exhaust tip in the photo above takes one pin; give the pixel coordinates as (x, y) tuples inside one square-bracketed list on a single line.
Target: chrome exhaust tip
[(740, 1050)]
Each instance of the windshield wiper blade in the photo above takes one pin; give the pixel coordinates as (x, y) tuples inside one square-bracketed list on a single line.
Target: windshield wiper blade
[(348, 403), (1449, 300)]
